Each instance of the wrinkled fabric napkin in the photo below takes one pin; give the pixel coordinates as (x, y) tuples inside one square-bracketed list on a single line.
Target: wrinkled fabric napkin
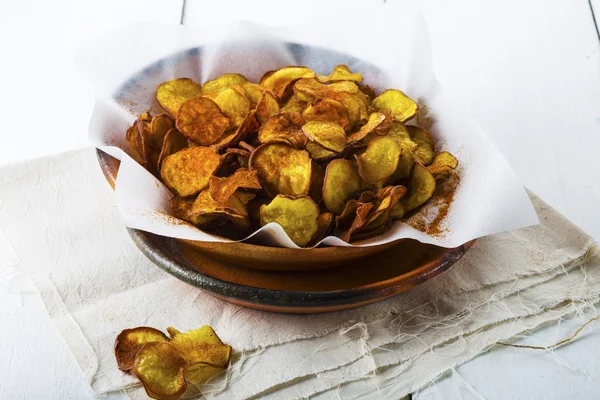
[(57, 214)]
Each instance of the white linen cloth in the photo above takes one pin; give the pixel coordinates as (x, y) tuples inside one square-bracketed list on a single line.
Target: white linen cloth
[(58, 216)]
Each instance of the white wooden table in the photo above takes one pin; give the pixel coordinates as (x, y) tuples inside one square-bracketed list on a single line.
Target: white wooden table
[(528, 70)]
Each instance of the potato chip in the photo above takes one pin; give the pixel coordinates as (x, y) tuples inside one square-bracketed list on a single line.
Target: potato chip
[(172, 332), (223, 82), (159, 127), (182, 208), (294, 105), (202, 345), (234, 105), (405, 166), (309, 89), (328, 135), (325, 224), (376, 120), (340, 73), (266, 107), (249, 126), (327, 110), (188, 171), (254, 92), (246, 146), (317, 177), (318, 153), (200, 373), (359, 220), (357, 108), (221, 189), (134, 138), (201, 120), (282, 169), (379, 161), (130, 341), (159, 367), (287, 126), (296, 215), (425, 144), (244, 196), (400, 105), (278, 81), (341, 181), (172, 143), (381, 215), (172, 94), (422, 186), (419, 134), (442, 166), (232, 209), (368, 91)]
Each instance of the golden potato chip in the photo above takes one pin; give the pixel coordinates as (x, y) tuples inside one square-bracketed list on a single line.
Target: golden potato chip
[(381, 215), (369, 197), (244, 196), (425, 144), (341, 180), (282, 169), (317, 152), (130, 341), (200, 373), (237, 152), (400, 105), (422, 186), (379, 160), (309, 89), (417, 133), (294, 105), (442, 166), (201, 120), (340, 73), (221, 189), (357, 109), (134, 138), (368, 91), (344, 220), (159, 127), (159, 367), (359, 220), (223, 82), (399, 132), (329, 135), (172, 331), (287, 126), (254, 92), (233, 105), (325, 224), (376, 119), (296, 215), (181, 208), (188, 171), (266, 107), (172, 94), (405, 165), (172, 143), (279, 80), (232, 209), (202, 345), (317, 177), (249, 126), (327, 110)]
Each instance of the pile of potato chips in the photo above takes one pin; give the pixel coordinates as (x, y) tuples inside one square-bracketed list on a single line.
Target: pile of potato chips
[(319, 155), (165, 365)]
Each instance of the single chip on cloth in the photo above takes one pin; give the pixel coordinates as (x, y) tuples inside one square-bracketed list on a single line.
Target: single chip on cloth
[(223, 82), (201, 120), (202, 345), (296, 215), (188, 171), (400, 105), (341, 180), (130, 341), (159, 367), (172, 94), (282, 169)]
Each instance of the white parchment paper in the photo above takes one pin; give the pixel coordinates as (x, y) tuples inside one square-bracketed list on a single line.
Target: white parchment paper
[(126, 66)]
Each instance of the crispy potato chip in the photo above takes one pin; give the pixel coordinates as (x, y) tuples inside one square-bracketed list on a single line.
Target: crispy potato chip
[(201, 120), (376, 119), (200, 373), (172, 331), (369, 197), (329, 135), (405, 165), (160, 369), (232, 210), (400, 105), (188, 171), (266, 107), (172, 94), (381, 215), (159, 127), (341, 180), (254, 206), (244, 196), (379, 161), (234, 105), (221, 189), (327, 110), (172, 143), (309, 89), (357, 109), (134, 138), (325, 224), (318, 153), (425, 144), (181, 208), (223, 82), (279, 80), (282, 169), (130, 341), (422, 186), (287, 126), (345, 219), (340, 73), (417, 133), (249, 126), (202, 345), (294, 105), (254, 92), (442, 166), (360, 218), (368, 91), (296, 215), (317, 177)]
